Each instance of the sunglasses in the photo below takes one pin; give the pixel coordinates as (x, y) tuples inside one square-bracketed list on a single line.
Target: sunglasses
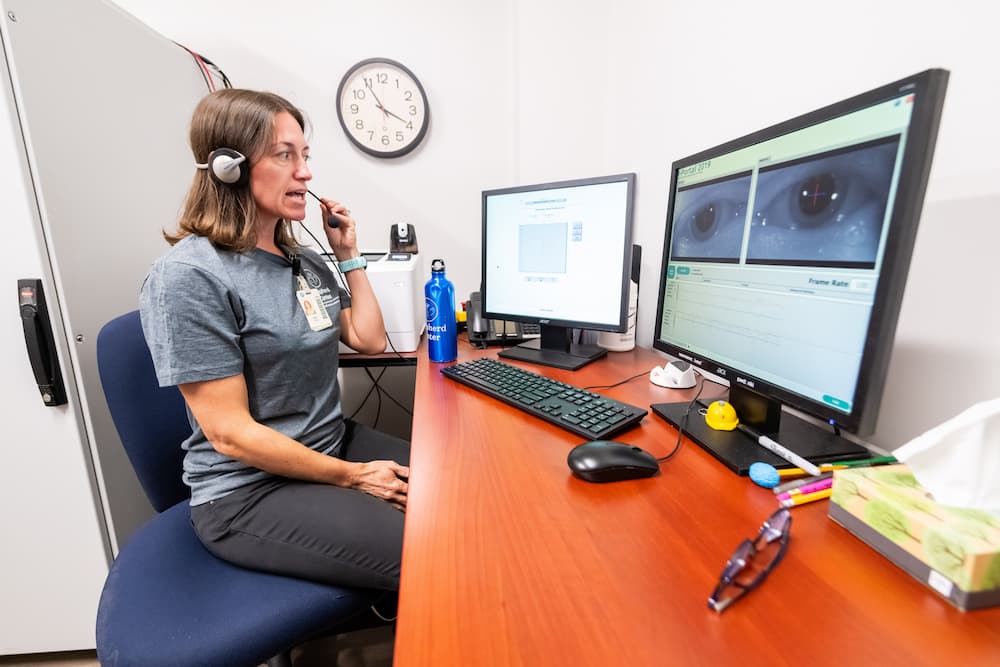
[(752, 561)]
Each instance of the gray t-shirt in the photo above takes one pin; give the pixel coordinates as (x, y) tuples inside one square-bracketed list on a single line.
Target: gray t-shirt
[(209, 313)]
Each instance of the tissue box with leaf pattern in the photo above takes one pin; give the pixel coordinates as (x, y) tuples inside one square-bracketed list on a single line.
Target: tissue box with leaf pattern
[(955, 551)]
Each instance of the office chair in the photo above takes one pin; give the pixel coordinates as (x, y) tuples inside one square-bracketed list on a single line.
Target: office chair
[(167, 600)]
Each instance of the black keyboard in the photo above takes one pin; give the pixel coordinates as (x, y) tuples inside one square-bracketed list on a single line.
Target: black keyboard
[(582, 412)]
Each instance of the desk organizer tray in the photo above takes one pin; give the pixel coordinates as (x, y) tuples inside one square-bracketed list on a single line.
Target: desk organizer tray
[(954, 551)]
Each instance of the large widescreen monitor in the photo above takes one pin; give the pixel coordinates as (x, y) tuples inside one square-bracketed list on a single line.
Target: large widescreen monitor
[(558, 255), (784, 261)]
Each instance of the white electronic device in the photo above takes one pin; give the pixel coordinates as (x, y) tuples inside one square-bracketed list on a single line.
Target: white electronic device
[(677, 374), (396, 280)]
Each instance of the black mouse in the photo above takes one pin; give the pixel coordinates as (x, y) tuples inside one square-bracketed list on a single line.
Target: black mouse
[(609, 461)]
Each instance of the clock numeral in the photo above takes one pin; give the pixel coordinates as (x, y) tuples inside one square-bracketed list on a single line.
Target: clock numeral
[(358, 94), (367, 81), (397, 82), (409, 125), (359, 124), (413, 109), (382, 77), (399, 135), (407, 95), (354, 108), (385, 139)]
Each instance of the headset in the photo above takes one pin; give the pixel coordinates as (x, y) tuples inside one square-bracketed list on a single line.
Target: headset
[(227, 167)]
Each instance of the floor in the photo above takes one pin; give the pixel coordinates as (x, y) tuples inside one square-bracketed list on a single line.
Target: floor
[(365, 648)]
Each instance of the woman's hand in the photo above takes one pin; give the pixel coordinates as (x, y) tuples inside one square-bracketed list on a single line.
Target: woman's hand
[(343, 239), (386, 480)]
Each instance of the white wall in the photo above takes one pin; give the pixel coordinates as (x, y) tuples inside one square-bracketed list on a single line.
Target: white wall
[(525, 91), (301, 49)]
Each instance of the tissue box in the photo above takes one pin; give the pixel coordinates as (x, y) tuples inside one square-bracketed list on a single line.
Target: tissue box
[(954, 551)]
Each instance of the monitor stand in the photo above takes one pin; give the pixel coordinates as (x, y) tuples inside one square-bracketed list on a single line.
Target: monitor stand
[(738, 451), (555, 348)]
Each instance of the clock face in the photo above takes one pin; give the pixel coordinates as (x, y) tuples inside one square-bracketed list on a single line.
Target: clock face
[(382, 108)]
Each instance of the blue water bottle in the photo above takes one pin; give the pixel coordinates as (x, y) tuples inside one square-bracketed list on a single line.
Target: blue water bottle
[(442, 331)]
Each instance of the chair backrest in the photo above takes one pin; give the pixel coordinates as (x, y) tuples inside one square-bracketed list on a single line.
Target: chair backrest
[(151, 421)]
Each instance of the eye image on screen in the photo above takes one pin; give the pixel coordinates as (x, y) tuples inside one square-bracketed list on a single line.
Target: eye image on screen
[(709, 219), (825, 210)]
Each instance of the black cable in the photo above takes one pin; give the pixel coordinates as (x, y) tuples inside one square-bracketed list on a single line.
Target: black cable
[(225, 79), (343, 280), (684, 419), (367, 395), (378, 405), (609, 386), (335, 263), (387, 394), (395, 351)]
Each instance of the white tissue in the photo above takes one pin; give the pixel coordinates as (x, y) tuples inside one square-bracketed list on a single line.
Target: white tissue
[(958, 461)]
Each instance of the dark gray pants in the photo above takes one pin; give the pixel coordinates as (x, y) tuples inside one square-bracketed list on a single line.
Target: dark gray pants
[(313, 531)]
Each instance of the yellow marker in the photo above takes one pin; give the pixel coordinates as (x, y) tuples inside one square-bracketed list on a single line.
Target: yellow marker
[(798, 472), (840, 465), (806, 498)]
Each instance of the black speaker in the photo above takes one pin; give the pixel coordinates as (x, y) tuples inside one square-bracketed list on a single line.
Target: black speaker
[(227, 167)]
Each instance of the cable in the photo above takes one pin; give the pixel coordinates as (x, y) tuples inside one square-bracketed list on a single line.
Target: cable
[(215, 68), (387, 620), (343, 280), (201, 67), (684, 419), (336, 265), (367, 395), (609, 386), (387, 394)]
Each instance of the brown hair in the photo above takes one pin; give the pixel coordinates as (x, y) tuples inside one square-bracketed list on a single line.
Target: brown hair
[(242, 120)]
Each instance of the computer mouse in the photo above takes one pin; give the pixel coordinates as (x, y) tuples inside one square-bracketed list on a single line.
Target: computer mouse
[(610, 461)]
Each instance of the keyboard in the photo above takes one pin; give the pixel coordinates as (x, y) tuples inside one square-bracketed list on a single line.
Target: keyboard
[(579, 411)]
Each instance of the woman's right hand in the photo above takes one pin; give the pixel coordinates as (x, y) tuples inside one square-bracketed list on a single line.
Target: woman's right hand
[(386, 480)]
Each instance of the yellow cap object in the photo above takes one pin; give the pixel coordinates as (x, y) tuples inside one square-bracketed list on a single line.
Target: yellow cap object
[(721, 416)]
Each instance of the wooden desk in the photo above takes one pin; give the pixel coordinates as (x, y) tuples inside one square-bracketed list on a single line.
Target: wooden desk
[(509, 560)]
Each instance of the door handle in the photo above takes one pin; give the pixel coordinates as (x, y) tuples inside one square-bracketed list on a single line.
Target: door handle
[(39, 341)]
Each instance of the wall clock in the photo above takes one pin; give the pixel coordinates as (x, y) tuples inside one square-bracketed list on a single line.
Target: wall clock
[(382, 108)]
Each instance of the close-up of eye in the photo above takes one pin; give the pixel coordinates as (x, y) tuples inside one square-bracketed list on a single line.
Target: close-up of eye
[(824, 211), (819, 196), (710, 220)]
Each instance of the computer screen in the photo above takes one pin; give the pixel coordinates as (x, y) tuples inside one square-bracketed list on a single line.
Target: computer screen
[(558, 255), (784, 261)]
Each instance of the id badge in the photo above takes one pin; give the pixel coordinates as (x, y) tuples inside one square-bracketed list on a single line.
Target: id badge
[(314, 310)]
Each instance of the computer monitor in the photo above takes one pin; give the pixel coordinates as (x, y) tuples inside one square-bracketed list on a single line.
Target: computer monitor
[(558, 255), (785, 256)]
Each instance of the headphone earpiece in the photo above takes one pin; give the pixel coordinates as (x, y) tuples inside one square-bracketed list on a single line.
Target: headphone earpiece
[(227, 167)]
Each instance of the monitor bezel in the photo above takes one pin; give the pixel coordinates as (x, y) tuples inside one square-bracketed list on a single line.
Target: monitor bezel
[(625, 257), (929, 88)]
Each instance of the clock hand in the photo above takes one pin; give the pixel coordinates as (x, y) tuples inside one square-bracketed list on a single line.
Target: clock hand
[(378, 102), (393, 115)]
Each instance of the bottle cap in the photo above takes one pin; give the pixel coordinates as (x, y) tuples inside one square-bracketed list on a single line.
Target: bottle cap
[(437, 265)]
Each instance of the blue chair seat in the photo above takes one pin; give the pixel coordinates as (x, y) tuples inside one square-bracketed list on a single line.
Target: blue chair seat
[(195, 609), (167, 601)]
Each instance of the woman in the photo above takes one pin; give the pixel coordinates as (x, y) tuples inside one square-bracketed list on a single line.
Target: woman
[(280, 481)]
